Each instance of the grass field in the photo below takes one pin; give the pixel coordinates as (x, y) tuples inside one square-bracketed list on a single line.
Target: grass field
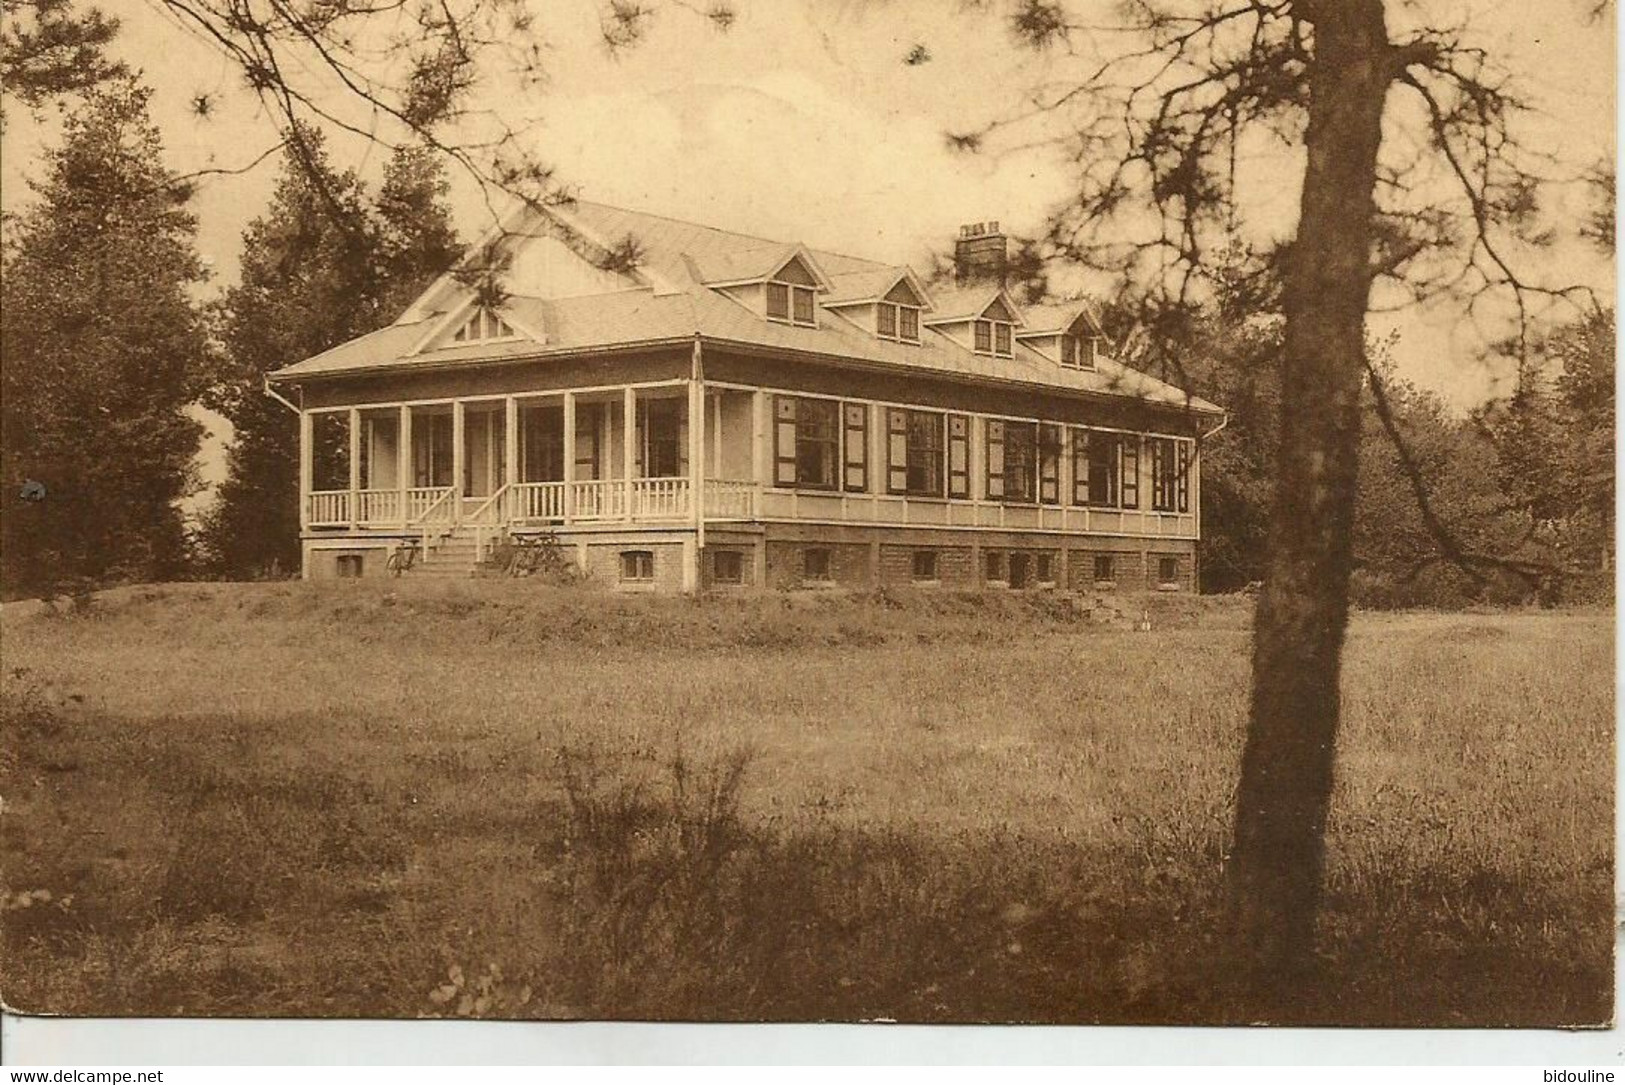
[(500, 799)]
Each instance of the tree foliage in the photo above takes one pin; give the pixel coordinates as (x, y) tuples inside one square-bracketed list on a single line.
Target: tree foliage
[(326, 263), (104, 350), (50, 48)]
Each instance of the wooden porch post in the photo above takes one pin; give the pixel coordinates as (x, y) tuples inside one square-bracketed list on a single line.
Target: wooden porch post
[(458, 454), (403, 462), (569, 456), (760, 464), (307, 442), (355, 467), (510, 452), (629, 429), (696, 463)]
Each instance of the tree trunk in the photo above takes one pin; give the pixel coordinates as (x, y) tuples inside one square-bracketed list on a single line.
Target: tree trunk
[(1274, 875)]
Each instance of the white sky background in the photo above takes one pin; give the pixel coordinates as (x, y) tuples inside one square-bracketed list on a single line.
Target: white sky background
[(802, 122)]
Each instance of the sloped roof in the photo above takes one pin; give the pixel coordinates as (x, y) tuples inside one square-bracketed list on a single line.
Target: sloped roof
[(686, 254), (967, 303), (1053, 319)]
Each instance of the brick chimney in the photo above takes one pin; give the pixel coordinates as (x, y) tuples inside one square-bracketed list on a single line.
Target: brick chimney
[(982, 254)]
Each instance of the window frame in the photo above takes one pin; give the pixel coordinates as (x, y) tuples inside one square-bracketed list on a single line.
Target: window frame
[(1165, 562), (797, 296), (1110, 566), (902, 426), (483, 326), (737, 576), (995, 567), (633, 563), (789, 416), (899, 332), (933, 571), (1170, 474), (999, 341)]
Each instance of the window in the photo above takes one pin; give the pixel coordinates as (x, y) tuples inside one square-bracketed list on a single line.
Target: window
[(1167, 572), (790, 302), (894, 321), (662, 430), (958, 455), (1105, 570), (993, 337), (349, 566), (1044, 568), (1012, 461), (1069, 351), (541, 444), (637, 566), (431, 449), (727, 567), (1106, 469), (807, 438), (1170, 474), (483, 325), (925, 565), (1049, 464), (815, 564), (914, 446), (1020, 569), (855, 434), (993, 560)]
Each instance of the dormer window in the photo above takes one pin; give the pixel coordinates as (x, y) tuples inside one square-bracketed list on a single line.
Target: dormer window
[(1077, 352), (790, 295), (900, 322), (484, 324), (994, 337)]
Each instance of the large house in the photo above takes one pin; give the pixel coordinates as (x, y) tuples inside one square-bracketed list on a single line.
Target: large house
[(685, 408)]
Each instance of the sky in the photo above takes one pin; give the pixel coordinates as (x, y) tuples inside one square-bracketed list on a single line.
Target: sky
[(802, 122)]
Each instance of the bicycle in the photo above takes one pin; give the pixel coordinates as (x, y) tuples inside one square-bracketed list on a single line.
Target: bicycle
[(402, 558)]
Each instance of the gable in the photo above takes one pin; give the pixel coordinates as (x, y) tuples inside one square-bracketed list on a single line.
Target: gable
[(998, 311), (544, 266), (903, 294), (795, 272)]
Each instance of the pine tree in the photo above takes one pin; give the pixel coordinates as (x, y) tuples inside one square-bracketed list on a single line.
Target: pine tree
[(103, 351), (321, 267)]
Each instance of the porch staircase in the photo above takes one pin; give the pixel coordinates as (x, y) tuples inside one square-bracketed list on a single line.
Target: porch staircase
[(451, 554)]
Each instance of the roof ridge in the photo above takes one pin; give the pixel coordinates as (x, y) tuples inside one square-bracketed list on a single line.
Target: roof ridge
[(762, 241)]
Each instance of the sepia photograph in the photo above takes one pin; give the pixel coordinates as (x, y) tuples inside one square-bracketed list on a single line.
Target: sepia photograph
[(1064, 512)]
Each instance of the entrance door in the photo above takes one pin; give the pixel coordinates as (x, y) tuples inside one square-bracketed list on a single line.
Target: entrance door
[(484, 453)]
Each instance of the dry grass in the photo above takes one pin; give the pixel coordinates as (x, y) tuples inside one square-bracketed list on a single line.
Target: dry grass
[(506, 800)]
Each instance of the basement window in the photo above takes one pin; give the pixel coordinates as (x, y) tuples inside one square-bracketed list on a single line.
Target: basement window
[(1105, 569), (727, 567), (994, 566), (815, 565), (1167, 572), (637, 566), (349, 566), (925, 565)]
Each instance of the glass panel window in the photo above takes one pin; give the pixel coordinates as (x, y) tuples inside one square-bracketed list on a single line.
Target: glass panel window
[(1069, 351), (1099, 477), (1001, 339), (909, 324), (1170, 474), (925, 565), (778, 301), (1105, 569), (662, 431), (1019, 460), (1044, 568), (637, 565), (807, 437), (915, 452), (886, 320), (802, 307), (993, 560), (1167, 571), (1049, 464), (984, 337)]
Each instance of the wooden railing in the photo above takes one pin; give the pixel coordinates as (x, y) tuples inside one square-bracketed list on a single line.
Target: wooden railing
[(380, 507), (489, 512), (536, 501), (659, 498), (329, 508), (429, 505), (601, 499)]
